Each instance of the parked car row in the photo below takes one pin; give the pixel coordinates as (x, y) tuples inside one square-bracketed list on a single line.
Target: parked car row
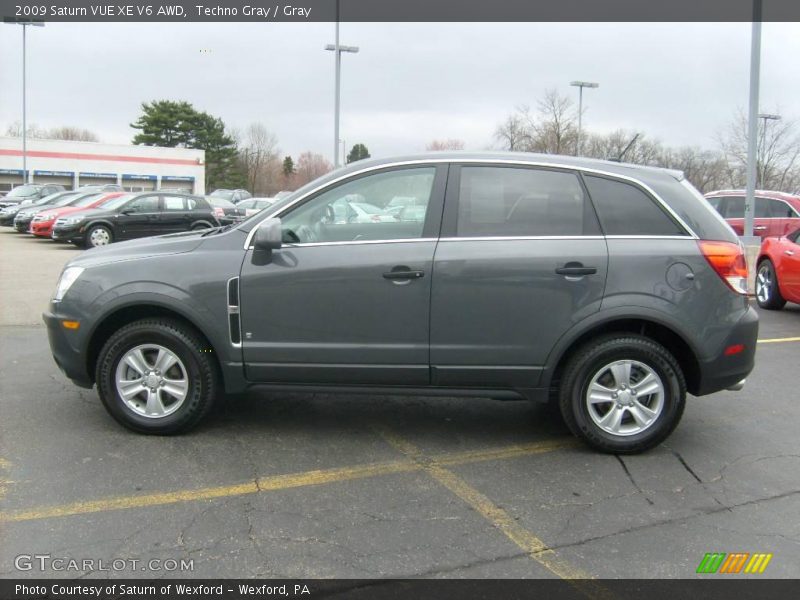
[(776, 213), (97, 218), (31, 192)]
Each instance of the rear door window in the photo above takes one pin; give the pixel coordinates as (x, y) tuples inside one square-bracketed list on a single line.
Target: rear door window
[(521, 202), (626, 209)]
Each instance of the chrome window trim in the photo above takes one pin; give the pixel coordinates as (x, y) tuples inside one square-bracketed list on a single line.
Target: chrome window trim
[(489, 161), (511, 238), (358, 242)]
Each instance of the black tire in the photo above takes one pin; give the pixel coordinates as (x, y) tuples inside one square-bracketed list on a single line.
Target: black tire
[(592, 358), (769, 290), (188, 346), (200, 226), (88, 241)]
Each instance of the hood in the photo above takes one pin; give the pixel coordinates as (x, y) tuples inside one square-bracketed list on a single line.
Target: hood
[(61, 210), (173, 243)]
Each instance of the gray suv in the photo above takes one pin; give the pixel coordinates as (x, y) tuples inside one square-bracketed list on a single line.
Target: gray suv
[(609, 289)]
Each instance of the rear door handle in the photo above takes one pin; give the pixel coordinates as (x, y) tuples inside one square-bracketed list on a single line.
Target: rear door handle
[(760, 228), (789, 252), (572, 269)]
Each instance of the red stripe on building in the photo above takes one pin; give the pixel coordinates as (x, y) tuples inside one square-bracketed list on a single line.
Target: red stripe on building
[(108, 157)]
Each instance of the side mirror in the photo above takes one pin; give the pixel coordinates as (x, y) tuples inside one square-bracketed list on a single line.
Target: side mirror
[(269, 235)]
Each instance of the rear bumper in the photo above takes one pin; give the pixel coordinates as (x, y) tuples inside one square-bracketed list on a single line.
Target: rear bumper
[(68, 358), (726, 372)]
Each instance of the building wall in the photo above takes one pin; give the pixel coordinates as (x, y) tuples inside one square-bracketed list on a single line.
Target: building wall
[(73, 164)]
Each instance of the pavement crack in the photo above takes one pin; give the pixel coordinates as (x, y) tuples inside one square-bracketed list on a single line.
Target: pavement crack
[(633, 481)]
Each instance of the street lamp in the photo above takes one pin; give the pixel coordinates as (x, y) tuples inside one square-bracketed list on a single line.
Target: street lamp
[(25, 25), (580, 85), (762, 158), (338, 49)]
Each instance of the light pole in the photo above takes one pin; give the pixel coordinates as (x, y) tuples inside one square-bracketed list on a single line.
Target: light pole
[(25, 25), (580, 85), (752, 126), (763, 152), (338, 49)]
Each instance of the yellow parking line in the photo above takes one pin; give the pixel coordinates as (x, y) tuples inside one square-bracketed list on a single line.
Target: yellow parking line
[(779, 340), (278, 482), (534, 547)]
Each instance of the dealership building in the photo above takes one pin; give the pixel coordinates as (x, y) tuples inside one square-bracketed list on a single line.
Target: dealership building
[(73, 164)]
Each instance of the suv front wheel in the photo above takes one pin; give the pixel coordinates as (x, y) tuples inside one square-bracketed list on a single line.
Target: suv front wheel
[(157, 376), (622, 393)]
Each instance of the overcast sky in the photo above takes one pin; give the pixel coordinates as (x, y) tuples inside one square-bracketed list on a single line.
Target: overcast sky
[(680, 83)]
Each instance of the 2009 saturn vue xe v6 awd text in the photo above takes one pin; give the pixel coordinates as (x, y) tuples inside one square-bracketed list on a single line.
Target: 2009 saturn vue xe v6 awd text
[(611, 289)]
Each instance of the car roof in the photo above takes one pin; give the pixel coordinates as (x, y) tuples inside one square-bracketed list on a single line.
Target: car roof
[(556, 160)]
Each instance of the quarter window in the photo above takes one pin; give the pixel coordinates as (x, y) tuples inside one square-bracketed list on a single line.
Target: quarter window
[(625, 209), (357, 210), (511, 201)]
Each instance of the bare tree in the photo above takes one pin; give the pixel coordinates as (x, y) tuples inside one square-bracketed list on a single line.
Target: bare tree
[(449, 144), (68, 132), (65, 132), (778, 149), (512, 133), (554, 128), (309, 166), (259, 157)]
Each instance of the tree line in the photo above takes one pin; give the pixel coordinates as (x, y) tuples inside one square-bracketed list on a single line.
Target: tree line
[(252, 159)]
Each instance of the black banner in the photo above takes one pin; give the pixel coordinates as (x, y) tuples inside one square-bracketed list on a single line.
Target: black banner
[(399, 10), (710, 588)]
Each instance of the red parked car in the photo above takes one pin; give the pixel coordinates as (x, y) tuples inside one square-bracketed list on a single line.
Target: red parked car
[(42, 223), (778, 271), (776, 213)]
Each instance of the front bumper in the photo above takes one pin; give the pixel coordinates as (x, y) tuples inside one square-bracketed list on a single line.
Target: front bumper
[(67, 355), (67, 232), (22, 225), (42, 228), (726, 372)]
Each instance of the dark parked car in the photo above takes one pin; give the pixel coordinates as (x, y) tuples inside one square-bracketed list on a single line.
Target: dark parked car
[(231, 195), (24, 216), (29, 191), (247, 208), (223, 208), (133, 216), (610, 289)]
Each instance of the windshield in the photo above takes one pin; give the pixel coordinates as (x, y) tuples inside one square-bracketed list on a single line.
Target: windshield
[(118, 201), (224, 194), (21, 191)]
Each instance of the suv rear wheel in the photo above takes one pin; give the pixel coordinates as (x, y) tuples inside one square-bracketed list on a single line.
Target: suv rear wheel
[(156, 376), (622, 393)]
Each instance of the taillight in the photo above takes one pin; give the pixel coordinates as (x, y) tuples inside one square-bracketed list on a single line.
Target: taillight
[(728, 261), (218, 212)]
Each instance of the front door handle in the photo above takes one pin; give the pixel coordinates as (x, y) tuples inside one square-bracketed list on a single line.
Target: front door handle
[(789, 252), (760, 228), (575, 269), (403, 273)]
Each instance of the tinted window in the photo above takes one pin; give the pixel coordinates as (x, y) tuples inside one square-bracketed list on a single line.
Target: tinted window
[(625, 209), (330, 217), (733, 207), (507, 201), (779, 209), (173, 203), (143, 204)]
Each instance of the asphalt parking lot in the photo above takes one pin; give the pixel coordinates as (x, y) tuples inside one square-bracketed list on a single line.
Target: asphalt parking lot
[(302, 486)]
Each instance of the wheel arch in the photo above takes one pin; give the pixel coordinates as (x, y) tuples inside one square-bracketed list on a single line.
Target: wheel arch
[(124, 315), (654, 329)]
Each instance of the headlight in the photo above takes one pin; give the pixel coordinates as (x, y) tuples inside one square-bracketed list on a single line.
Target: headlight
[(68, 277), (49, 217), (73, 220)]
